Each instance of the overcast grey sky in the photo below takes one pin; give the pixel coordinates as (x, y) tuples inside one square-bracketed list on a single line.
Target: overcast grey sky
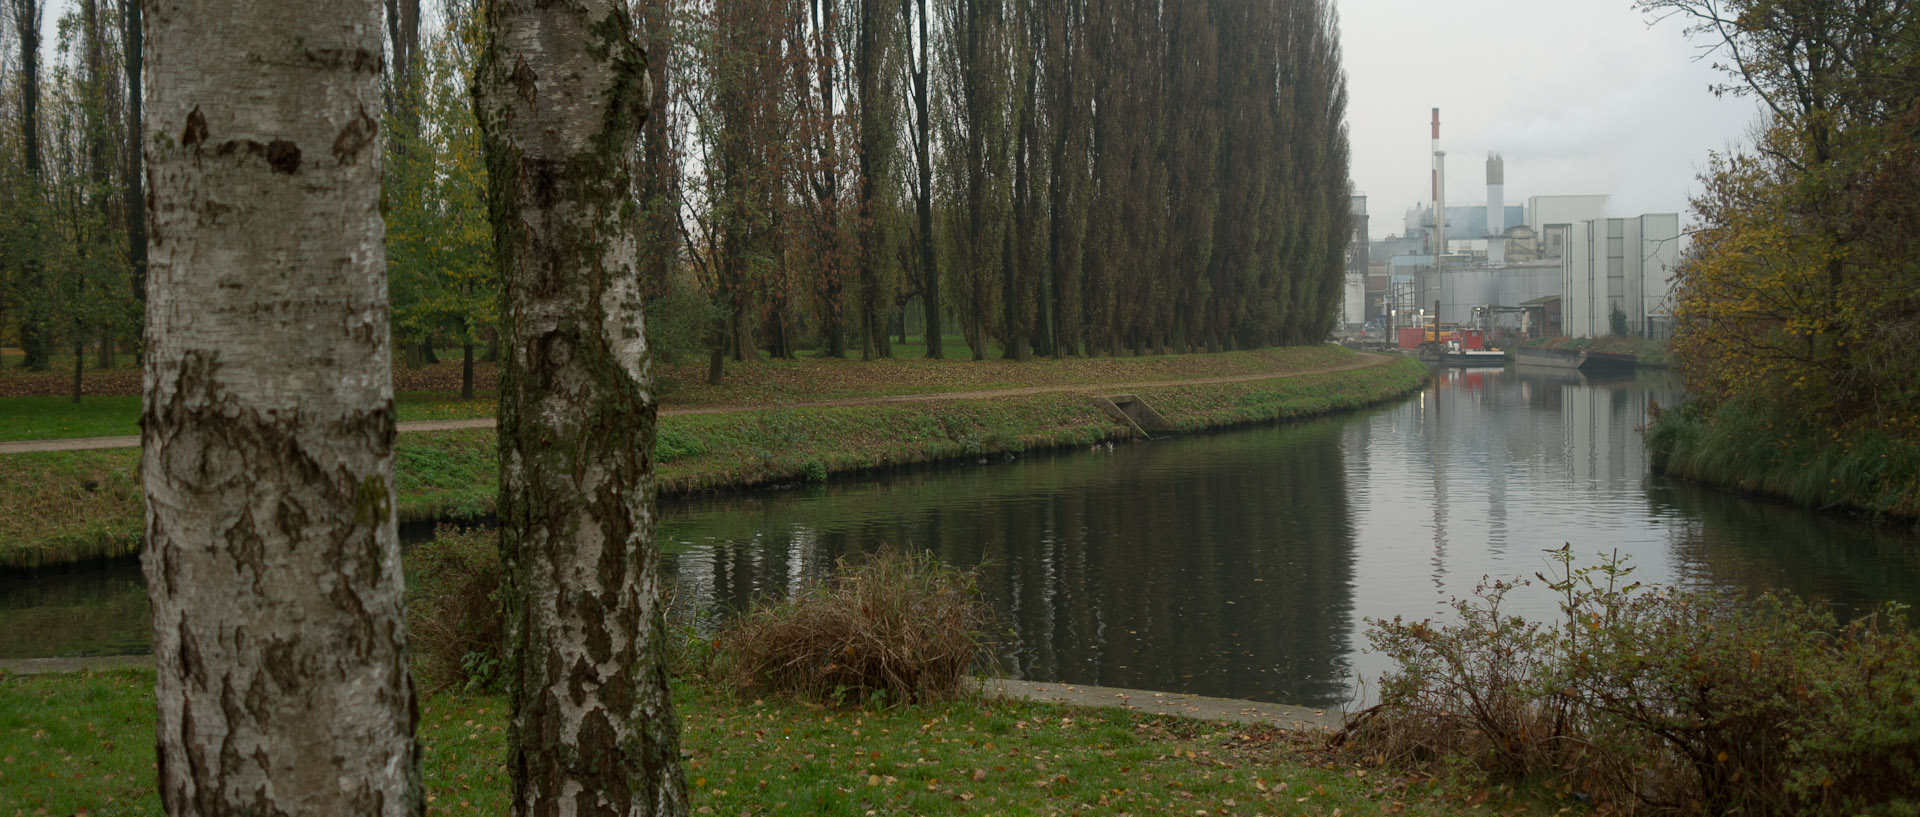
[(1579, 96)]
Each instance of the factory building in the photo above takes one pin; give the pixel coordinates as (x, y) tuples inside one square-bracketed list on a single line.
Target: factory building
[(1617, 275), (1465, 222), (1557, 264), (1353, 298)]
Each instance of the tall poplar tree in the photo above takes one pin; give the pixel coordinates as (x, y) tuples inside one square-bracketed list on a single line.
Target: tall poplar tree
[(1194, 112), (663, 141), (561, 94), (272, 561), (820, 84), (1064, 65), (977, 133), (920, 69), (133, 181), (876, 48)]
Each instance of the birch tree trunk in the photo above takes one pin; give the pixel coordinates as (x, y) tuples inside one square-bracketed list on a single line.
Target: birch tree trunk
[(561, 93), (267, 425)]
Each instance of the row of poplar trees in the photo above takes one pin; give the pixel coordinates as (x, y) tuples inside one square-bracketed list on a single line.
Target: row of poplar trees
[(1068, 177), (1049, 177), (272, 558)]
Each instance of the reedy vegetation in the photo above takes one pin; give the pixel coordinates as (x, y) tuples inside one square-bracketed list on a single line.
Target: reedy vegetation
[(1078, 156)]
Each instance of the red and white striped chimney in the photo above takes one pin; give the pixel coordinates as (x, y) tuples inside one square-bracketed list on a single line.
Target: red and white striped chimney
[(1439, 191)]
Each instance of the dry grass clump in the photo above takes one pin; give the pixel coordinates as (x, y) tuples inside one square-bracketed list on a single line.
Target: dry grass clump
[(896, 627)]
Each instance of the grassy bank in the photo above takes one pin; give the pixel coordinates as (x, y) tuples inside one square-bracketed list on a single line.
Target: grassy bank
[(72, 506), (1747, 447), (28, 411), (84, 744), (59, 418), (1647, 352)]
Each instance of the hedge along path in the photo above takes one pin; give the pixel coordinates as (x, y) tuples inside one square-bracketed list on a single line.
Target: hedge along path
[(1361, 360)]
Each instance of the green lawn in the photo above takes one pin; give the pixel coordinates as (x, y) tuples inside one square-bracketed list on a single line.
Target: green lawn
[(84, 744), (59, 418), (763, 382)]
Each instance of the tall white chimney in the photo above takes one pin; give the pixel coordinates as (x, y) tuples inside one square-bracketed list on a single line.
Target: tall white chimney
[(1496, 210), (1496, 192), (1439, 192)]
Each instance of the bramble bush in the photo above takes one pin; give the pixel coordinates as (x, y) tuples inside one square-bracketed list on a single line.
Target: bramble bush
[(1659, 699), (456, 625), (455, 629)]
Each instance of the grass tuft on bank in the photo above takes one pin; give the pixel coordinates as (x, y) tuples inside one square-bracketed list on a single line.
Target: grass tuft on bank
[(895, 627)]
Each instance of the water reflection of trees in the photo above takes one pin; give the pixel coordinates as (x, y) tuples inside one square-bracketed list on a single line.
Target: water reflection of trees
[(1216, 565), (1727, 540), (87, 610)]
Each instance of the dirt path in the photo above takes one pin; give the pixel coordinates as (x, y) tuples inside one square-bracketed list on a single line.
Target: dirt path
[(1361, 361)]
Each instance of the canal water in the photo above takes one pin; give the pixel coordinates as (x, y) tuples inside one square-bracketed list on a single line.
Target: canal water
[(1241, 564)]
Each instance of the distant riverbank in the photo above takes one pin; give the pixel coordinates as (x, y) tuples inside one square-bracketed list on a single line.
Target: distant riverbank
[(772, 423)]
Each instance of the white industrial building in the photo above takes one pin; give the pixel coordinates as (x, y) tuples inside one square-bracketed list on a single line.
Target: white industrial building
[(1353, 295), (1620, 265), (1464, 285), (1545, 210), (1551, 216)]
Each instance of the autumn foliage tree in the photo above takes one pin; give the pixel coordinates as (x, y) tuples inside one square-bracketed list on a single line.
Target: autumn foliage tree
[(71, 247), (1801, 291), (439, 245)]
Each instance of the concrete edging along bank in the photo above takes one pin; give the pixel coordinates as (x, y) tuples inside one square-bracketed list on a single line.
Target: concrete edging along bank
[(1196, 707), (1178, 704)]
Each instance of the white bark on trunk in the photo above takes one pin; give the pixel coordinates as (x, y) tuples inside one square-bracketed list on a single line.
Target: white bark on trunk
[(561, 93), (272, 561)]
